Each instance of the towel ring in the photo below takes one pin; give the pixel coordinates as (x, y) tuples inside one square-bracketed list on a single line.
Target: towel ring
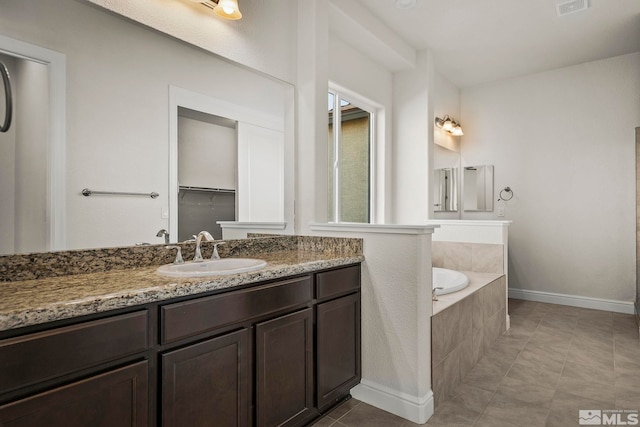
[(509, 195), (7, 97)]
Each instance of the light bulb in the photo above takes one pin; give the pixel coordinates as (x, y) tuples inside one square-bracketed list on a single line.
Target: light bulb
[(228, 9)]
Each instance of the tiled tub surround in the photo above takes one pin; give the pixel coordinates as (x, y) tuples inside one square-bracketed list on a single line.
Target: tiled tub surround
[(52, 286), (464, 325), (478, 257)]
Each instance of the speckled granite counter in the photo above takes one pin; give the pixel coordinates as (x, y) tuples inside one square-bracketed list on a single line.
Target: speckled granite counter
[(30, 302)]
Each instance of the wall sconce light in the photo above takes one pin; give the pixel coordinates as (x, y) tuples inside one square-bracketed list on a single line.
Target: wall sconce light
[(227, 9), (449, 125)]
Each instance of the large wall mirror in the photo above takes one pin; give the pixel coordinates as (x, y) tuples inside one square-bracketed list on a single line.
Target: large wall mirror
[(119, 121), (477, 188)]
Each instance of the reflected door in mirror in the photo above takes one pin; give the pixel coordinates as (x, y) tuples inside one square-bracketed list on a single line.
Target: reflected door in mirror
[(445, 191)]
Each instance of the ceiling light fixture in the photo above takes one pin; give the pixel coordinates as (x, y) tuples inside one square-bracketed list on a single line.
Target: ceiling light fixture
[(227, 9), (449, 125)]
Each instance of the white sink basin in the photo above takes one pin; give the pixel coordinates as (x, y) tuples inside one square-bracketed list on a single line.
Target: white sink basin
[(212, 267)]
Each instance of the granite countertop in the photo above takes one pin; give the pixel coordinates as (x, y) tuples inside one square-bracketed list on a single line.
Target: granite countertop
[(30, 302)]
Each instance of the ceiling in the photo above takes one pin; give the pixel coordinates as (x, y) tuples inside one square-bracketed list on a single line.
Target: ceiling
[(479, 41)]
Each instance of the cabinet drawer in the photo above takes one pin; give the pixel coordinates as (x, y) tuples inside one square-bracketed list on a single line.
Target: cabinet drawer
[(185, 319), (115, 398), (46, 355), (336, 282)]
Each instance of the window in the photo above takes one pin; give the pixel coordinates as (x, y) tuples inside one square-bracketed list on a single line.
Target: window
[(350, 159)]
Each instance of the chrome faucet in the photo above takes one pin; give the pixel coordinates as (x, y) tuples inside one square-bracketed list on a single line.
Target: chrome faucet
[(208, 237), (215, 254), (164, 233), (178, 259)]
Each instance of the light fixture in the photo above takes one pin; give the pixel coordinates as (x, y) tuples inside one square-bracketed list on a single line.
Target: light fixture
[(449, 125), (227, 9)]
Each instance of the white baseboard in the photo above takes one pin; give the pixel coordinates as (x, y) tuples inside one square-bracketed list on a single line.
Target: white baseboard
[(412, 408), (626, 307)]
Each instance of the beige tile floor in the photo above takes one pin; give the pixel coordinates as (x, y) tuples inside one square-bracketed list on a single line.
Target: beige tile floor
[(554, 361)]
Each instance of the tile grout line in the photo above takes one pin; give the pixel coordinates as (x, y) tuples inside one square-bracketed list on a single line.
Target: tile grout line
[(510, 367), (564, 362), (345, 414)]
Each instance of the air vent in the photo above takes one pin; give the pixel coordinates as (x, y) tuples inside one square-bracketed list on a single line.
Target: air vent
[(571, 7)]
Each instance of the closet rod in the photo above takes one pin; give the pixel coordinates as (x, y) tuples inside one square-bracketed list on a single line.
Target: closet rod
[(218, 190)]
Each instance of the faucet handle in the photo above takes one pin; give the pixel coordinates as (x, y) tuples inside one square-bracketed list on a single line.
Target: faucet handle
[(434, 296), (215, 254), (178, 259)]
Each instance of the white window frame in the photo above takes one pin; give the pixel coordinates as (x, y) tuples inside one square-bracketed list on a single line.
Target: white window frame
[(367, 105)]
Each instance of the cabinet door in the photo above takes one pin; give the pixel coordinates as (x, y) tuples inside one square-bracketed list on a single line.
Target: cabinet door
[(118, 398), (338, 348), (206, 384), (284, 369)]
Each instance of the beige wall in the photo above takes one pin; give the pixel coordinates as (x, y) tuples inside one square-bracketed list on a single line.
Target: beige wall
[(572, 174)]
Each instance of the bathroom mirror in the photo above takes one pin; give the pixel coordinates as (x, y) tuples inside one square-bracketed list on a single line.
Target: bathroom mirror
[(118, 77), (477, 188), (445, 190)]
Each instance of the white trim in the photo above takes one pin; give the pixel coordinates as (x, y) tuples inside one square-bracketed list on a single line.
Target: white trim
[(351, 227), (412, 408), (573, 300), (56, 62), (259, 225), (470, 223)]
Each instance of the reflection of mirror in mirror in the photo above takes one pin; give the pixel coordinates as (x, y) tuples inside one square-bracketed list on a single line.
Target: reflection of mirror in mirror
[(445, 194), (118, 78), (477, 188)]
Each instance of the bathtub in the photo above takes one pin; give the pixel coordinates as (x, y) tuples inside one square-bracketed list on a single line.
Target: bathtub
[(449, 280)]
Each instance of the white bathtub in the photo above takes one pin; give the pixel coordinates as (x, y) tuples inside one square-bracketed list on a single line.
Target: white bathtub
[(448, 280)]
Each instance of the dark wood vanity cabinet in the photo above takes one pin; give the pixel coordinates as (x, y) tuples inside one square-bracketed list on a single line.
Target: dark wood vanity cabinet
[(207, 383), (95, 382), (274, 354), (284, 370), (115, 398), (337, 334), (338, 349)]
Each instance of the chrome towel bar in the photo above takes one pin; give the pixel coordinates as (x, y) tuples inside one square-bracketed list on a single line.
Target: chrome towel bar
[(86, 192)]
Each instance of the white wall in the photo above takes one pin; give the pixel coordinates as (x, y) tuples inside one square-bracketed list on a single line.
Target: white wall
[(446, 101), (118, 78), (563, 140), (207, 154), (396, 317), (413, 141), (264, 39), (446, 151)]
